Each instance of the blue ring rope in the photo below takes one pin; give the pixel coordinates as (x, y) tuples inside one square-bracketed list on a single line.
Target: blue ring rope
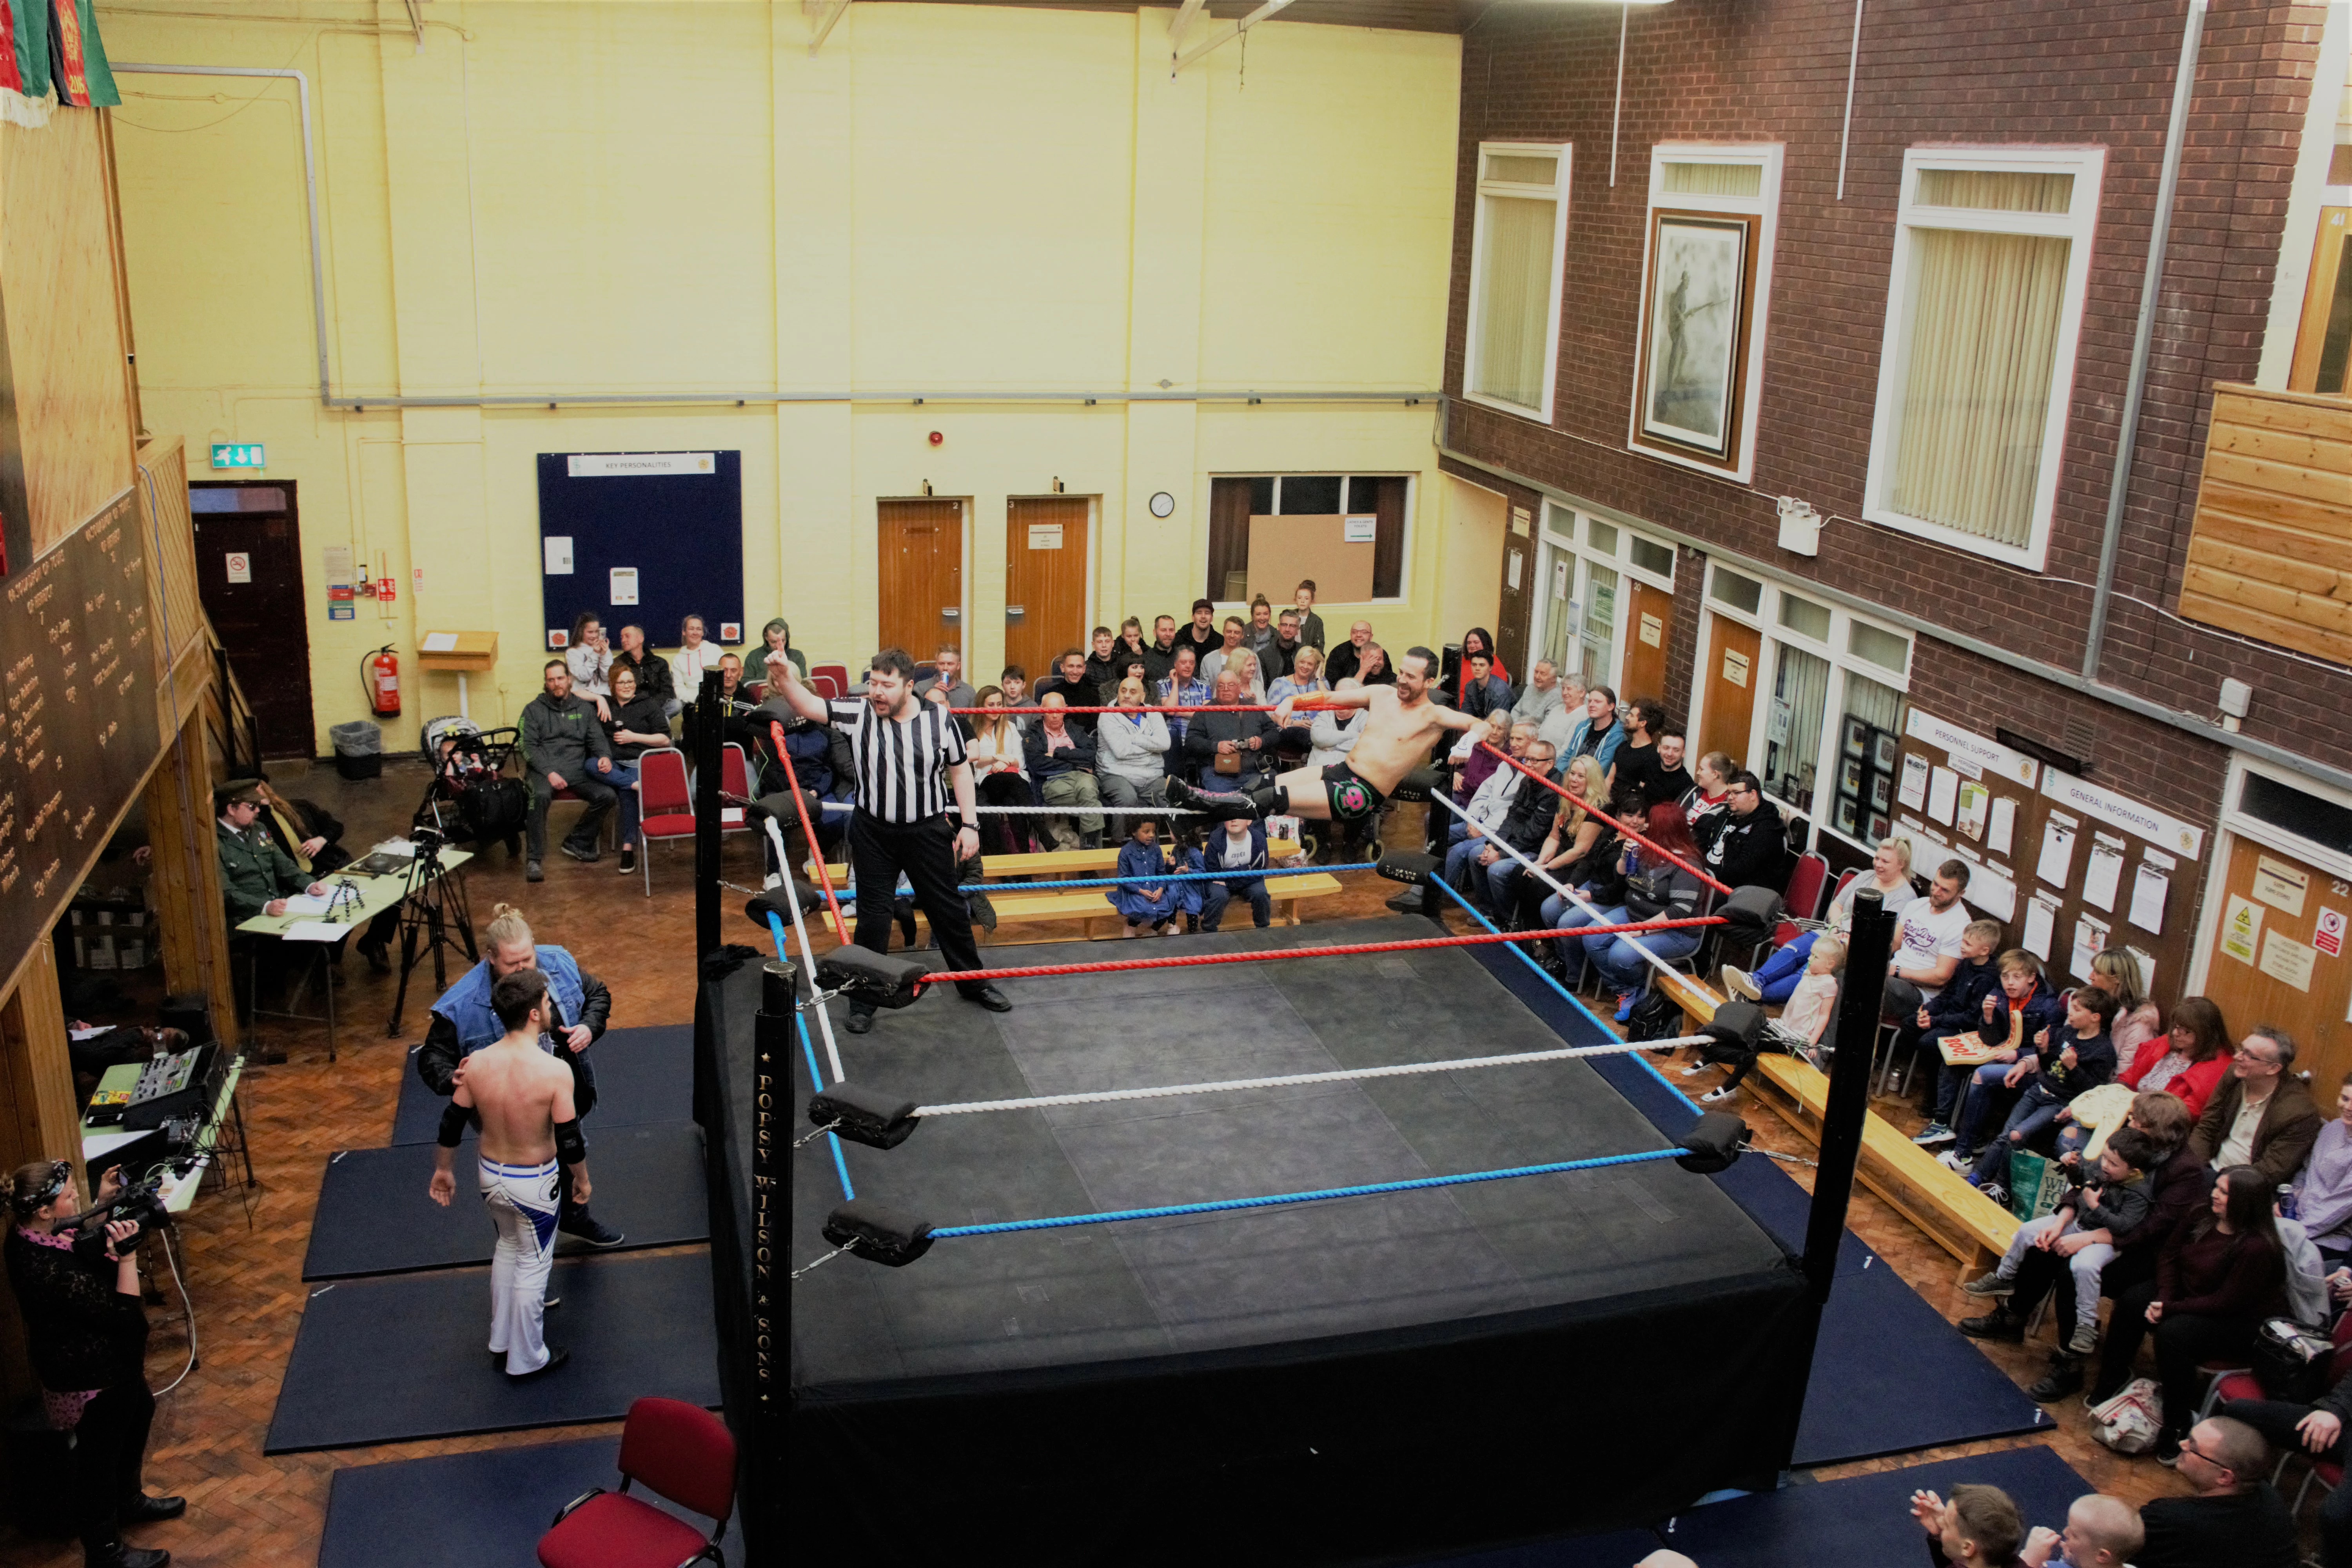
[(840, 1165), (1574, 1000), (1061, 1221)]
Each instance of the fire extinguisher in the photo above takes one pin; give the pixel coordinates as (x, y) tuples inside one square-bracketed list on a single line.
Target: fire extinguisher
[(380, 676)]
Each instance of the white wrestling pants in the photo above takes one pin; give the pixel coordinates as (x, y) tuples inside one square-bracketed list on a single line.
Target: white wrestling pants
[(523, 1201)]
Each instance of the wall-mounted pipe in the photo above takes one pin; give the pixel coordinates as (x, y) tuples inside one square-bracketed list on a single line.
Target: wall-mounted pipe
[(310, 183), (2151, 289)]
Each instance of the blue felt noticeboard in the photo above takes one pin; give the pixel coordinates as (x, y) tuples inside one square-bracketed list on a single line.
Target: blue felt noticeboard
[(674, 518)]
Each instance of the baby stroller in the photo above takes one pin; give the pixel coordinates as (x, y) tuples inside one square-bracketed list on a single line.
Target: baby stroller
[(472, 800)]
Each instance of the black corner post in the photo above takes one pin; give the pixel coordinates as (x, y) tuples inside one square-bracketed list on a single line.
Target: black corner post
[(1866, 955), (710, 732), (772, 1040)]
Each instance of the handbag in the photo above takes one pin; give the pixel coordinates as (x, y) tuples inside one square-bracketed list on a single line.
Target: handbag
[(2291, 1363), (1656, 1016), (2131, 1422), (1228, 763)]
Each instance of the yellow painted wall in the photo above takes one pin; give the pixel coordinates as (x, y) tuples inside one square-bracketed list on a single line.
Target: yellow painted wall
[(589, 199)]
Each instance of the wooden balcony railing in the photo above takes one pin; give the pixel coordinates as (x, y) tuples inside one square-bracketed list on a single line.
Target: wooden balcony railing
[(2270, 554)]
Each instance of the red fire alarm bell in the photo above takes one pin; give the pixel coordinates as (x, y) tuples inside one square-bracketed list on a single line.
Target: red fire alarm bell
[(937, 437)]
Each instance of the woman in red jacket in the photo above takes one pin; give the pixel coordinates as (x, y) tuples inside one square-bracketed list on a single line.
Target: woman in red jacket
[(2187, 1060), (2220, 1273)]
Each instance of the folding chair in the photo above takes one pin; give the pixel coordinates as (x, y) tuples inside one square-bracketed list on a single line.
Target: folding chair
[(664, 804)]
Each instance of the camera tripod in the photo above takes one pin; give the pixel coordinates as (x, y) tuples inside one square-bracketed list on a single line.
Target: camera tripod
[(433, 917)]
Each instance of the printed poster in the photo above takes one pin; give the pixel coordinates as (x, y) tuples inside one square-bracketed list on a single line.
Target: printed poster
[(2280, 885), (2286, 960), (2241, 926)]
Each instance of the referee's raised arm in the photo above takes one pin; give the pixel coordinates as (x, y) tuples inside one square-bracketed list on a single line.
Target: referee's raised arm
[(784, 681)]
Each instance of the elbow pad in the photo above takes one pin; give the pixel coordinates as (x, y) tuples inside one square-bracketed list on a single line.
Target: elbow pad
[(570, 1147), (454, 1119)]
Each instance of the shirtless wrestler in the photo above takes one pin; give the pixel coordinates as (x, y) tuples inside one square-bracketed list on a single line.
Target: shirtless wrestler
[(1401, 727)]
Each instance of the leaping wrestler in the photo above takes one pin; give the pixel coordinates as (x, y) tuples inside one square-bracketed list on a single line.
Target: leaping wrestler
[(1400, 727)]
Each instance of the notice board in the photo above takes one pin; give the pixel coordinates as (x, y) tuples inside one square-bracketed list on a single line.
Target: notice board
[(642, 538), (1334, 552), (2068, 866), (79, 650)]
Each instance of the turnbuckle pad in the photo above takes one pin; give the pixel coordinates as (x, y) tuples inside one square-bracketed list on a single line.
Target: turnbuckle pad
[(867, 1116), (872, 977), (878, 1234)]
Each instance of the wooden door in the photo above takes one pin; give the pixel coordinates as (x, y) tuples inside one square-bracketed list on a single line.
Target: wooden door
[(1648, 627), (249, 576), (922, 576), (2323, 344), (2272, 974), (1729, 682), (1045, 582)]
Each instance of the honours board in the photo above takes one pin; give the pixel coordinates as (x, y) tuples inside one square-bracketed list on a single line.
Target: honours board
[(78, 649)]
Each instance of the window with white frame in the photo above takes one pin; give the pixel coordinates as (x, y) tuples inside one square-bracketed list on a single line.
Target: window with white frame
[(1993, 246), (1714, 215), (1583, 572), (1824, 670), (1518, 235)]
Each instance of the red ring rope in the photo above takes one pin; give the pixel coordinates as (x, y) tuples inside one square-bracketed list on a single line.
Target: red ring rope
[(808, 830), (1204, 708), (1183, 960), (1568, 794)]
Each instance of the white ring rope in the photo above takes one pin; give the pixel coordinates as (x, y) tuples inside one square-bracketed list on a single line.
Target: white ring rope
[(1101, 1096), (823, 1016), (1548, 881)]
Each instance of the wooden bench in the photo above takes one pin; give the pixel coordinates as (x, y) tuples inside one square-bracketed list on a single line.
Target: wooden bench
[(1014, 907), (1954, 1215), (1055, 865)]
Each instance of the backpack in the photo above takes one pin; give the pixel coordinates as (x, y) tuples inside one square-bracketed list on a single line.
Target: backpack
[(493, 808), (2131, 1422), (1656, 1016)]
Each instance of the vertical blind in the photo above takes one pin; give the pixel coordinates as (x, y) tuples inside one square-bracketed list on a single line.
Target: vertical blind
[(1801, 690), (1515, 298), (1982, 330), (1713, 180)]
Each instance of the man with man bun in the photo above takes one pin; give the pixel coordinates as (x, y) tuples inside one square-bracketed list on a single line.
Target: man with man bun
[(530, 1148)]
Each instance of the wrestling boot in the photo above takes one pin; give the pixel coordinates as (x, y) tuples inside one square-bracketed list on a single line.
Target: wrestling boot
[(1224, 806), (576, 1222), (144, 1509)]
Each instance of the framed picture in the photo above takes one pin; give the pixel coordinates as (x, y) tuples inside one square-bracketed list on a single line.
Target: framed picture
[(558, 639), (1856, 738), (1846, 816), (1879, 826), (1884, 746), (1882, 791), (1849, 778), (1694, 364)]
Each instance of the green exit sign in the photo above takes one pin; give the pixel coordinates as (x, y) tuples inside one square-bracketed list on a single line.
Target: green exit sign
[(238, 455)]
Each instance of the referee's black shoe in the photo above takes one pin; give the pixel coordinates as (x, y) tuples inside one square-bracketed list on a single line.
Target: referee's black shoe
[(581, 1226), (990, 997)]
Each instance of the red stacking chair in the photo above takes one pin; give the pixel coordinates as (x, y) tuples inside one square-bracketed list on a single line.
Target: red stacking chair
[(735, 779), (838, 674), (1803, 896), (665, 804), (680, 1452), (823, 683)]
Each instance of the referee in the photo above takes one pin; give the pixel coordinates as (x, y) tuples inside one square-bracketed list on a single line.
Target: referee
[(902, 746)]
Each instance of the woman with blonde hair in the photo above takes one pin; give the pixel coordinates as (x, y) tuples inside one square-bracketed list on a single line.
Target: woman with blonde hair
[(1000, 771), (2115, 970), (1306, 676), (1776, 981), (1577, 835)]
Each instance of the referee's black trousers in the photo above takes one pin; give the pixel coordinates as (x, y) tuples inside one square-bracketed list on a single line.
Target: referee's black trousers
[(925, 851)]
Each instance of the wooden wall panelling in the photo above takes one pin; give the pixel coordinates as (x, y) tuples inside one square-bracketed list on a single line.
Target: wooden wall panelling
[(190, 921), (121, 279), (58, 267), (2270, 554), (163, 499), (38, 1119)]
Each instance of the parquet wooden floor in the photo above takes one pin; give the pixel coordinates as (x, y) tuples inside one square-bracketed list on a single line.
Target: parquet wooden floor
[(248, 1510)]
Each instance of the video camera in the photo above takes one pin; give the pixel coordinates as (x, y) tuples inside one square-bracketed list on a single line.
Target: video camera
[(140, 1203)]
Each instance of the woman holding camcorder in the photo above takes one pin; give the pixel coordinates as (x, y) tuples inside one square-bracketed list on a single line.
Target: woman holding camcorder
[(77, 1287)]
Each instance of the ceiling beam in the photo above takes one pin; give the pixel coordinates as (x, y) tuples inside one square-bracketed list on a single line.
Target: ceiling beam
[(1182, 23), (1229, 32), (822, 15)]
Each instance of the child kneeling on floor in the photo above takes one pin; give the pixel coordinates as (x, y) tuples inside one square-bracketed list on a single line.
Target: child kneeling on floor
[(2113, 1202)]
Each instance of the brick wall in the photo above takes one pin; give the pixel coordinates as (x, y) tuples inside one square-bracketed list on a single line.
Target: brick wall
[(1990, 71)]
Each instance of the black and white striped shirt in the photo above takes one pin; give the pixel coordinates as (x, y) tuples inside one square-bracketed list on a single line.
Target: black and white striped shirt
[(901, 764)]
